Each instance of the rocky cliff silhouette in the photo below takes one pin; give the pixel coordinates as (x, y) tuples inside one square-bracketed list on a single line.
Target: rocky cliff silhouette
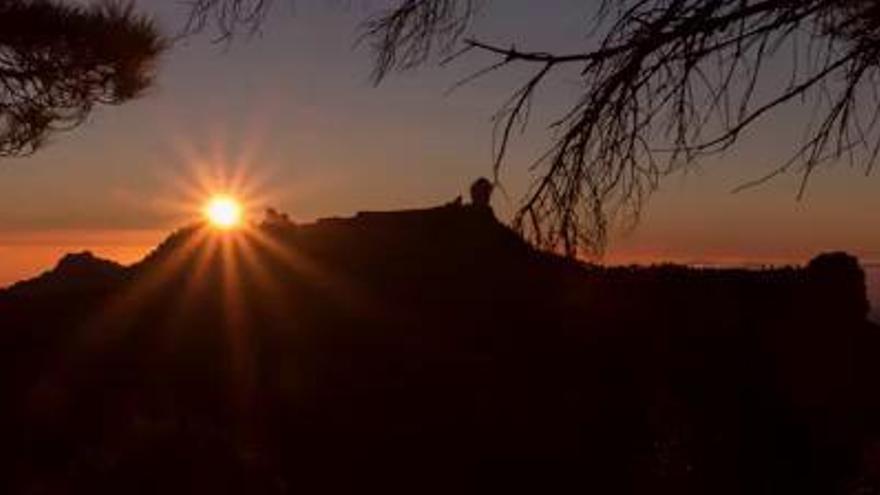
[(432, 351)]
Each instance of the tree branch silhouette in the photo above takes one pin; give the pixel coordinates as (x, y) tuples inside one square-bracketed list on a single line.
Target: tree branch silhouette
[(229, 17), (57, 61), (664, 84)]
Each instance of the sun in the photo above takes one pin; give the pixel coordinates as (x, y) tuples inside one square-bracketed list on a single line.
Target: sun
[(223, 212)]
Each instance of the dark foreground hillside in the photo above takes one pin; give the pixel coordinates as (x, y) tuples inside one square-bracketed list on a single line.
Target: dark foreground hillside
[(432, 351)]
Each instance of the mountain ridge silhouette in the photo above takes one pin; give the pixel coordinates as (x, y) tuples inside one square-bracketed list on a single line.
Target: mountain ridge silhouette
[(417, 349)]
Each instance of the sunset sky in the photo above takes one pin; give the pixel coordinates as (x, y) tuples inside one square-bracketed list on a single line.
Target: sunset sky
[(293, 115)]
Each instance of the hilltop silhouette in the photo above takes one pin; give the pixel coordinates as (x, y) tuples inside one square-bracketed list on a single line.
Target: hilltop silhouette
[(432, 350)]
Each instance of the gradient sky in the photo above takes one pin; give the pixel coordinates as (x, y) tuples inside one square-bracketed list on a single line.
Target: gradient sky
[(294, 108)]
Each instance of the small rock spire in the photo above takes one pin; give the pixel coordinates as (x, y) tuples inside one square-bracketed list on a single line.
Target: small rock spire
[(481, 193)]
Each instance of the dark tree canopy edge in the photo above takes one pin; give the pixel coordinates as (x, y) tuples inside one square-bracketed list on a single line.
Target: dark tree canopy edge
[(665, 83), (59, 60)]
